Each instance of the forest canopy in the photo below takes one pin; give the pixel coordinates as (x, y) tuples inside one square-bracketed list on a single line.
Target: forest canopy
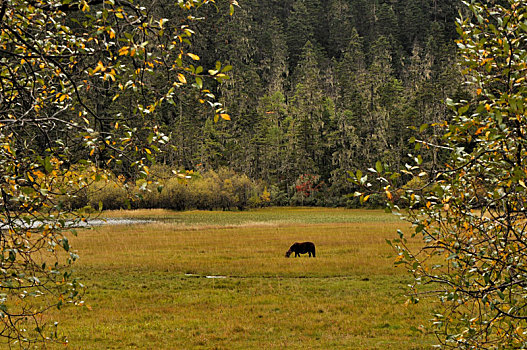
[(319, 89), (315, 90)]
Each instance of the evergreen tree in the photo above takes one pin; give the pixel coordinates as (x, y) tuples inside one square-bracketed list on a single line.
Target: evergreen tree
[(345, 143), (311, 111), (339, 27), (274, 62), (270, 138), (299, 31)]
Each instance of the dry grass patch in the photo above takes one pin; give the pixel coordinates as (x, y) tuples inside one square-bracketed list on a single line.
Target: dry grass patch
[(142, 296), (342, 249)]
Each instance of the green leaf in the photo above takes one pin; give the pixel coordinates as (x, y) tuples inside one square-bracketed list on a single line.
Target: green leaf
[(379, 167), (463, 109), (65, 244), (47, 164), (199, 82)]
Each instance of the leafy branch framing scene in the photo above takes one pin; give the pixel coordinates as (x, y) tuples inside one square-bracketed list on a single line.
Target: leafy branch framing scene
[(467, 196), (79, 84)]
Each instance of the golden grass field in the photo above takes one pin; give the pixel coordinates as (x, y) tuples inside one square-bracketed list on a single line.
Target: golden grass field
[(147, 285)]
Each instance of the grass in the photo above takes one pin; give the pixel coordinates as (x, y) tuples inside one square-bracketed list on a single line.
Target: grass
[(267, 216), (148, 285)]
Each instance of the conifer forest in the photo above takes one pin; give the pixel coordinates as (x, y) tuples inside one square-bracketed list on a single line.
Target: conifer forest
[(317, 89)]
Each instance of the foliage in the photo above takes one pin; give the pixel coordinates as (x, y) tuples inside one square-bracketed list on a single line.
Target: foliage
[(471, 213), (306, 187), (222, 189), (322, 87), (79, 94)]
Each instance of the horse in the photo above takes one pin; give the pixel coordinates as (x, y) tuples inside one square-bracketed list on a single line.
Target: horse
[(301, 248)]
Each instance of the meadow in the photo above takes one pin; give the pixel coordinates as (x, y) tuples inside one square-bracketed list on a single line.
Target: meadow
[(219, 280)]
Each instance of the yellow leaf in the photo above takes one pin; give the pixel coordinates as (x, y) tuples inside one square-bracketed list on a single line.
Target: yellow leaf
[(124, 50), (148, 151), (85, 6), (225, 116), (181, 78), (194, 57), (100, 67)]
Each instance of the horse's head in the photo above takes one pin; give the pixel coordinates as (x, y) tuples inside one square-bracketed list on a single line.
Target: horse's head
[(288, 253)]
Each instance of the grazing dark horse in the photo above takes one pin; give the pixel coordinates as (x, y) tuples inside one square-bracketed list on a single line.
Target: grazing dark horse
[(301, 248)]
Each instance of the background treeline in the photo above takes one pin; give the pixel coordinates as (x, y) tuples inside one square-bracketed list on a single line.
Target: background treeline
[(318, 88)]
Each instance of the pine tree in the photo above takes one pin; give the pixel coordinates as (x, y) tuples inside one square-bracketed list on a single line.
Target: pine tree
[(311, 111), (299, 31)]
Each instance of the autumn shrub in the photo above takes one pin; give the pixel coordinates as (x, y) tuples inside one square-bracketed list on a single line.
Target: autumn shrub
[(214, 189), (223, 189), (204, 194), (108, 195), (175, 194)]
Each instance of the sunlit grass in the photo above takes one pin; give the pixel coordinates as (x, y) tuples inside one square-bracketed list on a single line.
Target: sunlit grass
[(269, 216), (147, 285)]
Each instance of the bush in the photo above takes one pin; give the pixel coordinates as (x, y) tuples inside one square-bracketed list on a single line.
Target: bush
[(278, 197), (175, 195), (222, 189), (111, 195)]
